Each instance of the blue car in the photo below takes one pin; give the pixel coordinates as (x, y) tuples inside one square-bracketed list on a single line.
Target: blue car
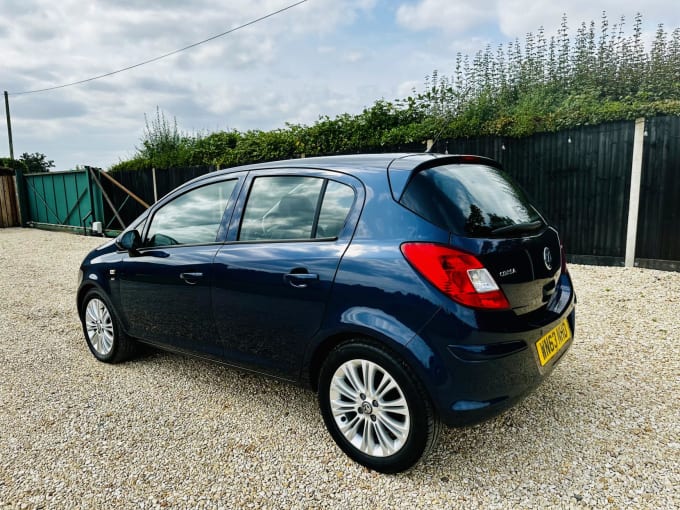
[(410, 291)]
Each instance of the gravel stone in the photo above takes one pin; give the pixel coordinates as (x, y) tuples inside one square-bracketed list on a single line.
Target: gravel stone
[(167, 431)]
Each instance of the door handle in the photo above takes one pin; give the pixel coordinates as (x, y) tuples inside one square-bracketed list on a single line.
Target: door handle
[(300, 280), (191, 278)]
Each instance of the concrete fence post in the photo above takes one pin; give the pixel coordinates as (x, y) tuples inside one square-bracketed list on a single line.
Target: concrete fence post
[(155, 187), (634, 201)]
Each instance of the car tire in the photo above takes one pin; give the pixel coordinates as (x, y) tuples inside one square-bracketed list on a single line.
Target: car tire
[(375, 408), (103, 333)]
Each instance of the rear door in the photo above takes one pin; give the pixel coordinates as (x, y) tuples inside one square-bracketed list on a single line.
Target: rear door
[(273, 277)]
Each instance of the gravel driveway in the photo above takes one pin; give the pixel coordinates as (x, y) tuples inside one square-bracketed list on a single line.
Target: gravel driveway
[(169, 431)]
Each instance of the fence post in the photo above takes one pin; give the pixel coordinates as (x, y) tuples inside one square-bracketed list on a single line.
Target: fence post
[(634, 201), (20, 186), (155, 187), (90, 189), (9, 126)]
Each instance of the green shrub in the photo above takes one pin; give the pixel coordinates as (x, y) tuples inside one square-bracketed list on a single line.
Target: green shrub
[(13, 164), (136, 163)]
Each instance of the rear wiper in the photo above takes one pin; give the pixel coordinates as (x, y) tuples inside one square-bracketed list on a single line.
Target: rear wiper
[(518, 227)]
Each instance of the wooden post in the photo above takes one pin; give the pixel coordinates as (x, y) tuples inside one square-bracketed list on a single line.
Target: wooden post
[(9, 126), (120, 186), (634, 201)]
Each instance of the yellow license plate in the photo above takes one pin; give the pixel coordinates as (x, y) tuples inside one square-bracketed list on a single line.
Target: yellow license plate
[(550, 344)]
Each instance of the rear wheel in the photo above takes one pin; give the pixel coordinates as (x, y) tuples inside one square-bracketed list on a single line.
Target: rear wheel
[(374, 408), (103, 333)]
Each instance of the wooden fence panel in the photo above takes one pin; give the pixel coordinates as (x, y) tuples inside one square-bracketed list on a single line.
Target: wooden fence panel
[(658, 236), (139, 182), (9, 212)]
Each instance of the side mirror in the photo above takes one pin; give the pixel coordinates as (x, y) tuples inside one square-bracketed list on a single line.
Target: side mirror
[(130, 241)]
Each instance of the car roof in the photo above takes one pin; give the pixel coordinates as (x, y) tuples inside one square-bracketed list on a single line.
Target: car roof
[(354, 164), (399, 166)]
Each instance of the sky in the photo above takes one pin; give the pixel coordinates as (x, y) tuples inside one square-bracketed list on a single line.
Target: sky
[(322, 57)]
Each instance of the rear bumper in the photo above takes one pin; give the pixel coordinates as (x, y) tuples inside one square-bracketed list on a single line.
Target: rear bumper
[(488, 372)]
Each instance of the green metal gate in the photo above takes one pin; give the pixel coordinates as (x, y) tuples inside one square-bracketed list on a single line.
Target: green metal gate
[(65, 199)]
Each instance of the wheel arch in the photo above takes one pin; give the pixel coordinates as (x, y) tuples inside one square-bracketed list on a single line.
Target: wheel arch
[(319, 354), (324, 347), (371, 323), (82, 292), (89, 285)]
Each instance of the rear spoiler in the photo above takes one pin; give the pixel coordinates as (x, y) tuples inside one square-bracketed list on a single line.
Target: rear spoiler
[(401, 170)]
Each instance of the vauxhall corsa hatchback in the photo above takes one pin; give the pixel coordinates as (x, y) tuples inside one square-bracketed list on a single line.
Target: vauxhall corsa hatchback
[(408, 290)]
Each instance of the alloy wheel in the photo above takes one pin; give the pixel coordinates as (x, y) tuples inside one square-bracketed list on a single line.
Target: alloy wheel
[(99, 326), (369, 408)]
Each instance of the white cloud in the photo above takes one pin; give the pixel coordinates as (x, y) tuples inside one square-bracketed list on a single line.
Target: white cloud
[(517, 17), (353, 56), (447, 15), (406, 88)]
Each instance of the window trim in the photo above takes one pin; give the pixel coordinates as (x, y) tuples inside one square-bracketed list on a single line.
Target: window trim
[(319, 204)]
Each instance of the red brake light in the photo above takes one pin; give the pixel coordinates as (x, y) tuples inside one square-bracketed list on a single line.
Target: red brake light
[(459, 275)]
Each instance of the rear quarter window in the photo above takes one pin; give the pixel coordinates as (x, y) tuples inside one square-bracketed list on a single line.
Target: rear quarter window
[(468, 200), (337, 202)]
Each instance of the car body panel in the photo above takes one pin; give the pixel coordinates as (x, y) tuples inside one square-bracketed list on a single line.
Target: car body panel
[(165, 296), (264, 310)]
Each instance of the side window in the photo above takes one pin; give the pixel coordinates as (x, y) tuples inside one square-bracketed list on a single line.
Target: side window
[(191, 218), (286, 207), (281, 207), (337, 201)]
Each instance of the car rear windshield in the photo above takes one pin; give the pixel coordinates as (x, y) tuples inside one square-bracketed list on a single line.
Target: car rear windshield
[(471, 200)]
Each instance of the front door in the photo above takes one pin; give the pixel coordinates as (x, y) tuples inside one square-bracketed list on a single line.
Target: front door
[(165, 286), (165, 295)]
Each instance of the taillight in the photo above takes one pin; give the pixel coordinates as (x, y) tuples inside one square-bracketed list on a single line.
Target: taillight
[(563, 254), (459, 275)]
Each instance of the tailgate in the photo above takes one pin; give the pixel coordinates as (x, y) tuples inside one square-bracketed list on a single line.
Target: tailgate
[(526, 269)]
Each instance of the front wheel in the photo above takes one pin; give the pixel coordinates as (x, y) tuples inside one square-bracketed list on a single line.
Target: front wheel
[(103, 333), (374, 408)]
